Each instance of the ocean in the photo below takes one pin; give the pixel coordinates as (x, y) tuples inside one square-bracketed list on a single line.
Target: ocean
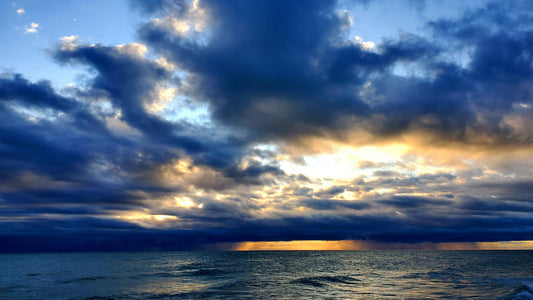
[(269, 274)]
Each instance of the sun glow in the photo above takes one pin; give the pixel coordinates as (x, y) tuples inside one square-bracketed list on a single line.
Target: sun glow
[(148, 220), (141, 216), (297, 245), (346, 161), (187, 202), (369, 245)]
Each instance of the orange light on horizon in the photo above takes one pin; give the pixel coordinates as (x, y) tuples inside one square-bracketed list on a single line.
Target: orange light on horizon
[(297, 245), (321, 245)]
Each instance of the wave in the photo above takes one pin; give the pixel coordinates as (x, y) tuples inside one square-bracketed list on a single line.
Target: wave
[(6, 289), (192, 266), (180, 272), (162, 275), (320, 281), (155, 275), (84, 279), (521, 292), (155, 295), (432, 275), (208, 272)]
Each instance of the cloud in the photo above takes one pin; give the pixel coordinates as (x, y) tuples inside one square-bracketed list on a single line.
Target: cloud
[(320, 84), (63, 150), (118, 161), (269, 88), (69, 43), (41, 94), (32, 28), (21, 11)]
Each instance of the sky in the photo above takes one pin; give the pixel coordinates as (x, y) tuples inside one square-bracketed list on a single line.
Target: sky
[(265, 125)]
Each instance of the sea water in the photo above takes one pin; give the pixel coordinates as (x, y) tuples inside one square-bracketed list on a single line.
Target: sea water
[(269, 274)]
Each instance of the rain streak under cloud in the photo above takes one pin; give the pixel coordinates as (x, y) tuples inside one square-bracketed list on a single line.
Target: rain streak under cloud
[(250, 124)]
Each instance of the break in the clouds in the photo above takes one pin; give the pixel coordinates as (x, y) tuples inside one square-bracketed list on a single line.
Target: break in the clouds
[(243, 121)]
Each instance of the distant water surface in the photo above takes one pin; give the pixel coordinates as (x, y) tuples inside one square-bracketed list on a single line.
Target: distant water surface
[(269, 274)]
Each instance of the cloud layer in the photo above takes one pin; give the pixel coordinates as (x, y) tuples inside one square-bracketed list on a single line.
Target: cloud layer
[(268, 121)]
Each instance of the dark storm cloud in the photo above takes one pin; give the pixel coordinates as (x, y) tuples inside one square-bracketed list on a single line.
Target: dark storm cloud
[(51, 167), (129, 81), (411, 226), (272, 67), (281, 70), (519, 186), (405, 202), (49, 146), (330, 192), (41, 94), (277, 71), (514, 190), (493, 206), (98, 194), (499, 37), (18, 91), (64, 156), (432, 105), (330, 204), (59, 156)]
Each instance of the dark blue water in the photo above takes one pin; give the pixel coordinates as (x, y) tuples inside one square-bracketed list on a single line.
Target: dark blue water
[(260, 275)]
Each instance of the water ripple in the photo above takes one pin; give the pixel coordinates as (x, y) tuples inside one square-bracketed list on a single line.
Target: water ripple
[(319, 281)]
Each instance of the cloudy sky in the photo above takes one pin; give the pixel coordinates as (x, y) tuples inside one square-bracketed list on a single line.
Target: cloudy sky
[(146, 125)]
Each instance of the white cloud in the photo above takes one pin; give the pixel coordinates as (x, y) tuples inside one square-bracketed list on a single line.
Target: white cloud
[(162, 96), (21, 11), (191, 22), (179, 27), (346, 16), (366, 45), (32, 28), (69, 42), (133, 49)]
